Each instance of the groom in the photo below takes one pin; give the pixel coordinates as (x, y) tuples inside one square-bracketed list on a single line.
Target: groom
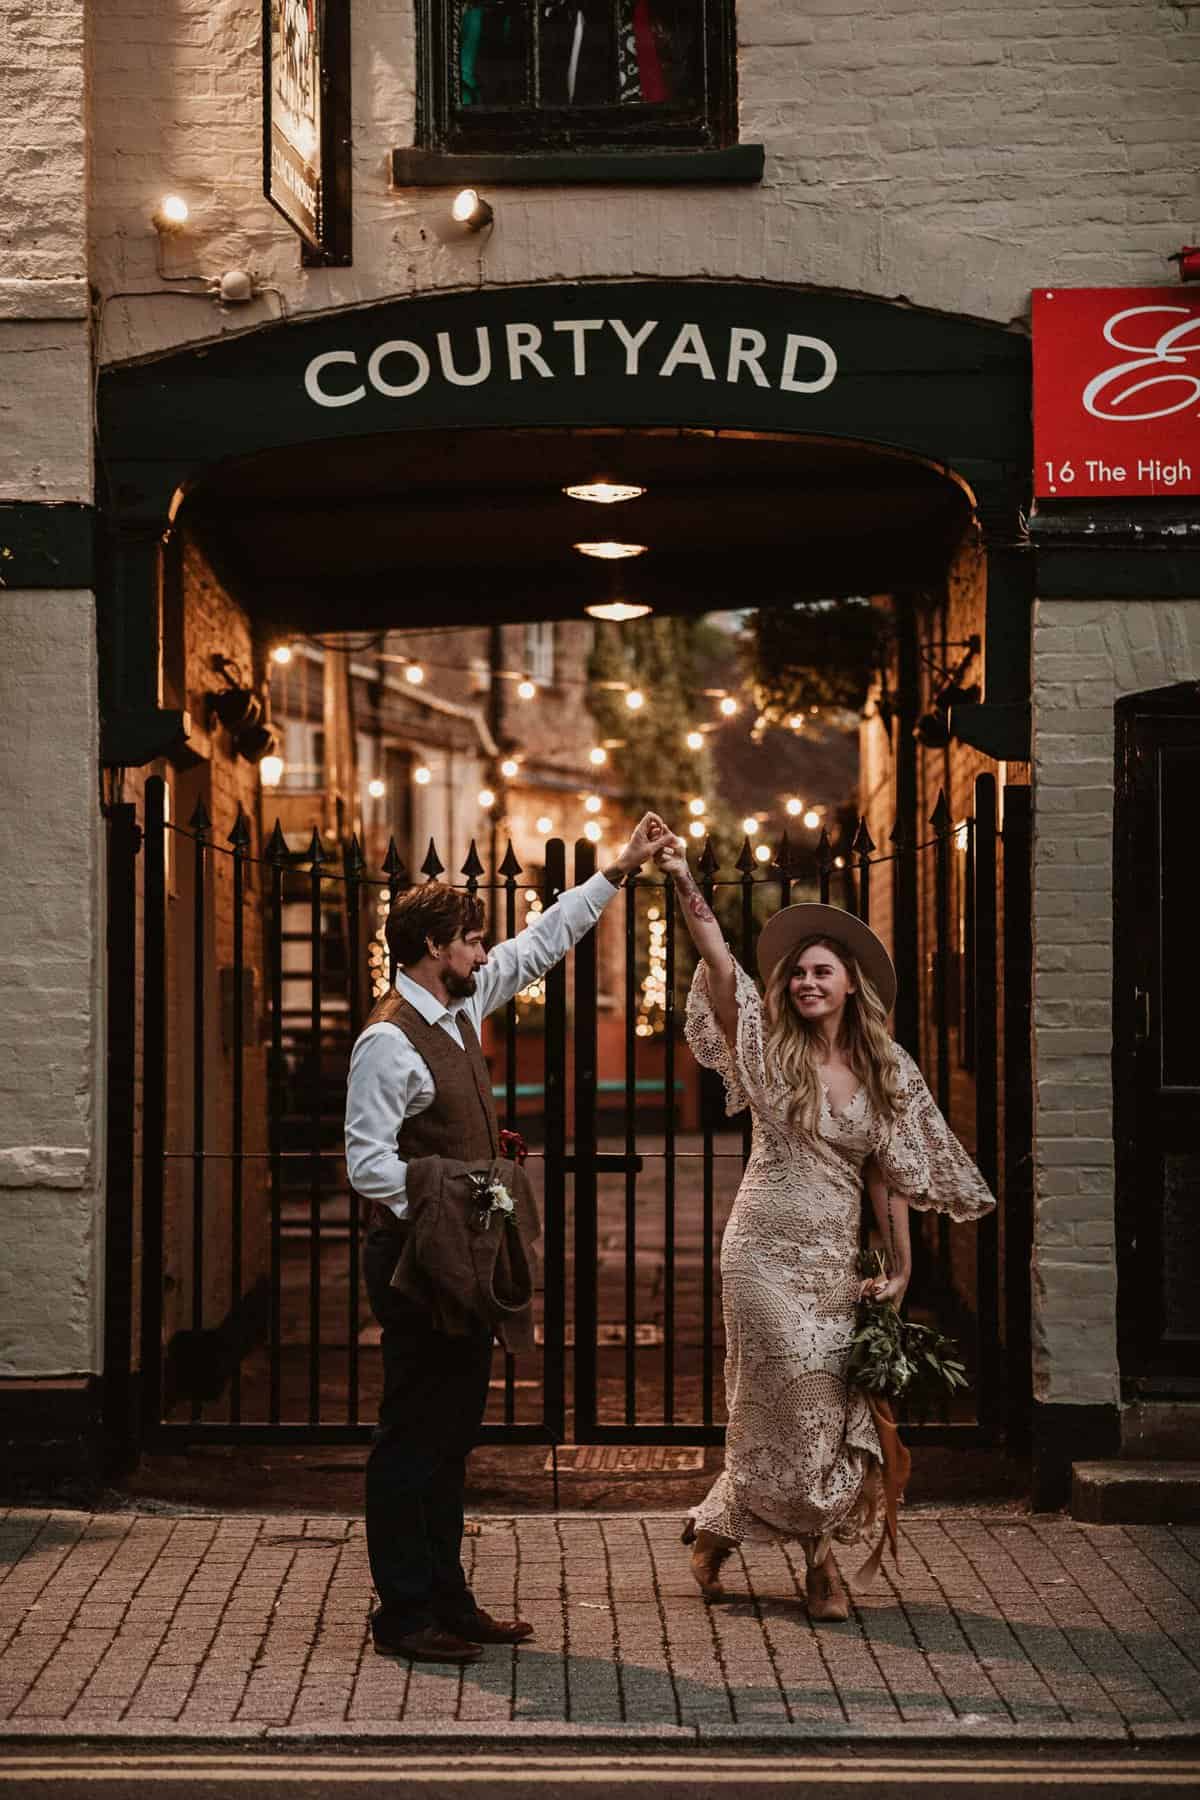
[(419, 1086)]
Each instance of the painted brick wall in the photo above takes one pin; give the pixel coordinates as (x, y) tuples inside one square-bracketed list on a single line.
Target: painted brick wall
[(953, 154), (1086, 656)]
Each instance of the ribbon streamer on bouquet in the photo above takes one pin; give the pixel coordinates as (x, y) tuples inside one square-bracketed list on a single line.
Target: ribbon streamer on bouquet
[(897, 1465)]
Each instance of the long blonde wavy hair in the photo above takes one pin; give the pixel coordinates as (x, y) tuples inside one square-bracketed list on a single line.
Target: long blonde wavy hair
[(793, 1045)]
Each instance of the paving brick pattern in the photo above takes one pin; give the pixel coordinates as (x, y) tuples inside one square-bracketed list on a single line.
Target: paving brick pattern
[(202, 1625)]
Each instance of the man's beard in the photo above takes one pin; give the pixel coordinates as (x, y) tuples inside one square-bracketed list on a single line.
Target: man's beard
[(459, 987)]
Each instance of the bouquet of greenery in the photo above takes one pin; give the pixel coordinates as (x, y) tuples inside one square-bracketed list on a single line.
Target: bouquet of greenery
[(898, 1360)]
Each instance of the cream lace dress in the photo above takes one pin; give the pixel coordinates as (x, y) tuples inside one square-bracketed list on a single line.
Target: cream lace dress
[(802, 1452)]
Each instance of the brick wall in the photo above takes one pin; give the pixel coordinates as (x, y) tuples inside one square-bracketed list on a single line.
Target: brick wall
[(1086, 656), (955, 155)]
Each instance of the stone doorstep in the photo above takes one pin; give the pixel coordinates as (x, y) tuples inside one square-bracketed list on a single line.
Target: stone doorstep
[(1135, 1493)]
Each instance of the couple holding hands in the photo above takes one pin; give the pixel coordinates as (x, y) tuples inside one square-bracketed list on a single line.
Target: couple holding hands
[(835, 1103)]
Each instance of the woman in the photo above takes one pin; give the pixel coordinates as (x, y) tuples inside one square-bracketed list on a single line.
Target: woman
[(834, 1102)]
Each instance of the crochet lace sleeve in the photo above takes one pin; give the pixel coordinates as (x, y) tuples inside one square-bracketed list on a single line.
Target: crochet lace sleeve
[(743, 1074), (921, 1158)]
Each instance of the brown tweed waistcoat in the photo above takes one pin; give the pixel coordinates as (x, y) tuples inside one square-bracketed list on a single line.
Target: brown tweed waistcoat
[(461, 1122)]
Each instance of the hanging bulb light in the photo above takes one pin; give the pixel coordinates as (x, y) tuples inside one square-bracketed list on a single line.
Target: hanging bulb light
[(618, 612), (422, 776), (762, 852), (695, 740), (486, 797), (696, 806), (729, 706), (376, 788), (597, 756), (697, 828), (635, 699), (607, 551), (593, 803), (270, 771), (545, 824), (604, 493), (414, 673), (812, 819), (282, 654), (749, 826), (527, 689), (509, 767), (592, 832), (796, 721)]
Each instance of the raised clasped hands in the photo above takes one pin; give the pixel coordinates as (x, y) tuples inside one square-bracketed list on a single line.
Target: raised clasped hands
[(671, 855), (649, 832)]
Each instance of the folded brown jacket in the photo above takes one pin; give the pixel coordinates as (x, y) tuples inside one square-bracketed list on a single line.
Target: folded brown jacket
[(465, 1262)]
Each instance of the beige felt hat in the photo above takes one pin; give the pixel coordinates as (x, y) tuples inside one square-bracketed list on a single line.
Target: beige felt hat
[(792, 924)]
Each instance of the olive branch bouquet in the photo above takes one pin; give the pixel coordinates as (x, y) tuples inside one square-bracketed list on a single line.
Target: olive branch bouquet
[(897, 1359)]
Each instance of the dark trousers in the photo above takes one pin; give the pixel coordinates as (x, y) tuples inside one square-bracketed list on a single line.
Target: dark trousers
[(434, 1393)]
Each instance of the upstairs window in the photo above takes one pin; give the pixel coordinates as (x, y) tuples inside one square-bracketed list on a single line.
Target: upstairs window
[(510, 75)]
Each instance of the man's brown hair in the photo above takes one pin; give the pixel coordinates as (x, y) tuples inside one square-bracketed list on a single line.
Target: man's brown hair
[(434, 911)]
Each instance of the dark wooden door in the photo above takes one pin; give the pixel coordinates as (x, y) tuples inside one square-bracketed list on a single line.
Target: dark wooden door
[(1157, 1039)]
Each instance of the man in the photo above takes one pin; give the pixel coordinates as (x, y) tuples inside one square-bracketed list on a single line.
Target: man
[(419, 1086)]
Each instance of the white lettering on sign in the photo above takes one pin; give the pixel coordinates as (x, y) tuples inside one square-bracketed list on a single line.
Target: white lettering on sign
[(401, 367), (314, 371), (1106, 398)]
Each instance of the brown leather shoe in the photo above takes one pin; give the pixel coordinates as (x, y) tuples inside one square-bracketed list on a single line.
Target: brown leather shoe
[(828, 1602), (709, 1552), (483, 1629), (430, 1645)]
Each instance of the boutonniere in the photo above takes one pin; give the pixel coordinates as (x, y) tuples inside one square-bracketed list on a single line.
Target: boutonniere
[(492, 1197)]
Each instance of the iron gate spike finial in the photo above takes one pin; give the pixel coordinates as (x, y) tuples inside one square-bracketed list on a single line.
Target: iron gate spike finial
[(354, 860), (862, 843), (277, 850), (939, 818), (239, 837), (433, 866), (710, 862), (745, 861), (394, 868), (472, 868), (510, 868), (824, 851), (316, 851), (200, 822), (899, 833)]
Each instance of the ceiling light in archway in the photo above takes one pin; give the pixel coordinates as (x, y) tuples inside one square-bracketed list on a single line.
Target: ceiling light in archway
[(616, 612), (607, 551), (605, 493)]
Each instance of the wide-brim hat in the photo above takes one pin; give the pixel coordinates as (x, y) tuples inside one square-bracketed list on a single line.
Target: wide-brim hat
[(792, 924)]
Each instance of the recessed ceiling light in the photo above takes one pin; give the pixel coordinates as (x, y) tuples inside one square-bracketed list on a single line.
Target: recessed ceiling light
[(604, 493), (617, 611), (610, 552)]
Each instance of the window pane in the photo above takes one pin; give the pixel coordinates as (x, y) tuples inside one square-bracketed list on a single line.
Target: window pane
[(577, 53), (490, 52), (659, 59)]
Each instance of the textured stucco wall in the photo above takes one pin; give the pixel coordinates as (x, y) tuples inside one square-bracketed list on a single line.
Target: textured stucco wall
[(1086, 656), (952, 155)]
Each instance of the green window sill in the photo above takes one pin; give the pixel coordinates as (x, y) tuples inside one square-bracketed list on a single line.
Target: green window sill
[(565, 168)]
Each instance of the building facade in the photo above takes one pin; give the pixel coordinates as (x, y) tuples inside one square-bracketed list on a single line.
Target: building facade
[(782, 257)]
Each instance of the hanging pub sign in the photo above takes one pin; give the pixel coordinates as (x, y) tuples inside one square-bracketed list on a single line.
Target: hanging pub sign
[(306, 121), (1116, 392)]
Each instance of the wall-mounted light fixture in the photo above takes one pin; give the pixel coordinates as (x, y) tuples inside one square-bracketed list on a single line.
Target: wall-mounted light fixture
[(471, 210), (170, 215), (604, 493), (610, 552), (616, 612)]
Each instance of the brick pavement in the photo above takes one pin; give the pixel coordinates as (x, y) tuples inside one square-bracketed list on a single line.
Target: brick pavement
[(156, 1625)]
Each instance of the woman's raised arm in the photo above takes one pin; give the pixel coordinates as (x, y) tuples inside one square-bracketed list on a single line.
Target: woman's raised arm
[(706, 934)]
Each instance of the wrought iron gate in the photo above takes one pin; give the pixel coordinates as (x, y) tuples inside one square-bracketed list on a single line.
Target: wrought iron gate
[(235, 1308)]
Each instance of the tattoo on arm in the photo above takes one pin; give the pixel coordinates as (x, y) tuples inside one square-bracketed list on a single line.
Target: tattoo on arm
[(615, 874), (694, 900)]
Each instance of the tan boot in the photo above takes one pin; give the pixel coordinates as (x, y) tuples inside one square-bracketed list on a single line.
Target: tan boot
[(708, 1553), (828, 1603)]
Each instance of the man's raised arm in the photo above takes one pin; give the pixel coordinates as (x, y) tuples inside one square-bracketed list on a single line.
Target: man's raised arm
[(519, 960)]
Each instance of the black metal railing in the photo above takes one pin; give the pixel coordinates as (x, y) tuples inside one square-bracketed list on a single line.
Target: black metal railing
[(253, 1322)]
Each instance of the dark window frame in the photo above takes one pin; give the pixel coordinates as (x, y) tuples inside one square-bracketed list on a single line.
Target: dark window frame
[(711, 125)]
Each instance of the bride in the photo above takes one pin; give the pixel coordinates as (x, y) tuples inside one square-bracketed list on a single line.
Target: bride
[(835, 1102)]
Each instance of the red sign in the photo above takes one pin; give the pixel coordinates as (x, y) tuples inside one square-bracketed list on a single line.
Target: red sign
[(1116, 391)]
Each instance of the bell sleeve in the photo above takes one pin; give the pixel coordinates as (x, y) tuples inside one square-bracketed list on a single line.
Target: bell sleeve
[(743, 1072), (922, 1160)]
